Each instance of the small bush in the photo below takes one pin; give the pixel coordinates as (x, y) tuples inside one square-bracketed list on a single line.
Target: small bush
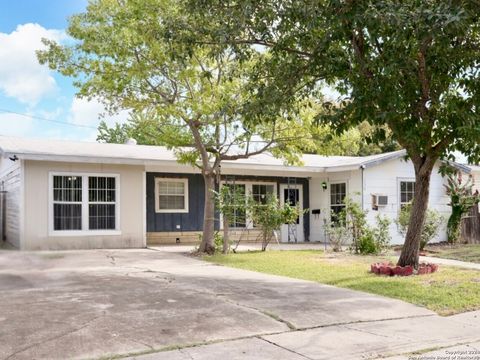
[(364, 238), (431, 227), (338, 235), (366, 243), (381, 233), (218, 242)]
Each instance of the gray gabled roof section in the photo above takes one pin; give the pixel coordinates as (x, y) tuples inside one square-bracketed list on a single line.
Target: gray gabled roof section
[(374, 161), (92, 152)]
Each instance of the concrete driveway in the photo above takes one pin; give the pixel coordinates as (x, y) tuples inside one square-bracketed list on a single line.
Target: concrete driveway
[(91, 304)]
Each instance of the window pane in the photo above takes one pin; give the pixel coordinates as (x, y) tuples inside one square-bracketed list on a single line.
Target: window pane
[(177, 188), (163, 187), (335, 213), (67, 216), (101, 189), (67, 188), (101, 216), (238, 216), (338, 192), (171, 202), (407, 191), (260, 193)]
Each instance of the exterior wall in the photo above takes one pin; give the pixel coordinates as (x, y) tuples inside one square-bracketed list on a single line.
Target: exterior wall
[(11, 182), (131, 207), (384, 179), (168, 227), (176, 222), (381, 179), (320, 198)]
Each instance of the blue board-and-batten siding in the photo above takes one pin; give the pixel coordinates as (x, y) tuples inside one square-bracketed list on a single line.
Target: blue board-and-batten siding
[(193, 220)]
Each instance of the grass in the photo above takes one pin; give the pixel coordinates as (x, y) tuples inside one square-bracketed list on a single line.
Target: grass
[(449, 291), (470, 253)]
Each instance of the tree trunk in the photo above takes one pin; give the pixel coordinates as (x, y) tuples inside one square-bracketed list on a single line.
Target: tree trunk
[(226, 233), (411, 248), (207, 245)]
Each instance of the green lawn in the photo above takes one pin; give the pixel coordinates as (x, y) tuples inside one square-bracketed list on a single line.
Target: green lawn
[(469, 253), (446, 292)]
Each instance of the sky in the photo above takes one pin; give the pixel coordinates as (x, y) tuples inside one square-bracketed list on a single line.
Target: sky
[(28, 88)]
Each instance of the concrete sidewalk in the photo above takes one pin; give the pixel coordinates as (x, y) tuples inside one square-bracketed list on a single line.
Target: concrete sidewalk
[(393, 339), (450, 262)]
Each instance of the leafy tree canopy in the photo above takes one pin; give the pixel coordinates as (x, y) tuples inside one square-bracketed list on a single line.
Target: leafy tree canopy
[(191, 97), (411, 65)]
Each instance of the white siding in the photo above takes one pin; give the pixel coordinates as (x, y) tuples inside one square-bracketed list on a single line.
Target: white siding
[(10, 180), (381, 179), (384, 179), (320, 199)]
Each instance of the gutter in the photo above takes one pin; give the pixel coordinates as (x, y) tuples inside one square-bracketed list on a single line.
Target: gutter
[(166, 162)]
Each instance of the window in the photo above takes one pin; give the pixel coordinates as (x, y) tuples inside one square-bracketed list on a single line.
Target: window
[(239, 217), (260, 192), (171, 195), (67, 203), (338, 192), (407, 190), (101, 203), (82, 203)]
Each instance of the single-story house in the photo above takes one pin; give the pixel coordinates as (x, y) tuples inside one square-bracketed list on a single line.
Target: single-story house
[(81, 195)]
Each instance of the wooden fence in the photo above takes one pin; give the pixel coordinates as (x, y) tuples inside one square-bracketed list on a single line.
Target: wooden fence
[(471, 227)]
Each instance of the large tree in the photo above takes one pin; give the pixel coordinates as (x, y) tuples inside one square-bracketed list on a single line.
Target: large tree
[(322, 139), (190, 96), (411, 65)]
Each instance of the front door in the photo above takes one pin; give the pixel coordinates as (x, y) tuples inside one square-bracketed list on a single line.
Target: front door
[(292, 194)]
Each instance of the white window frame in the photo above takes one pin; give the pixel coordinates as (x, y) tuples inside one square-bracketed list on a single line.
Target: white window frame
[(85, 217), (399, 190), (248, 192), (157, 195), (330, 194)]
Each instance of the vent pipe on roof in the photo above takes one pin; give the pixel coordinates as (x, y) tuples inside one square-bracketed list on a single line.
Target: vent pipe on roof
[(130, 141)]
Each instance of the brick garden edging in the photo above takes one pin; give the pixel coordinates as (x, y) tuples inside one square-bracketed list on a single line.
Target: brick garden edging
[(390, 269)]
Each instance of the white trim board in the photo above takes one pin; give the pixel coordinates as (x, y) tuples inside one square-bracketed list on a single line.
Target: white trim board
[(185, 209)]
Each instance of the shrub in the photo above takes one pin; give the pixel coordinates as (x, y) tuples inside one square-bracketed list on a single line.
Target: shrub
[(462, 199), (218, 242), (366, 243), (355, 219), (338, 235), (431, 227), (381, 233), (365, 239), (270, 216)]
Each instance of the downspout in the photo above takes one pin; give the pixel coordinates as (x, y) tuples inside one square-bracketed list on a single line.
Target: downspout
[(362, 167)]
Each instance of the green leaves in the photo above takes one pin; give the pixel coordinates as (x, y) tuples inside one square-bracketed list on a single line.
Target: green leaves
[(148, 57), (402, 64)]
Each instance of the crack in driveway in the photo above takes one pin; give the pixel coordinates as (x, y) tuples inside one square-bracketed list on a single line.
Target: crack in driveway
[(56, 337), (284, 348)]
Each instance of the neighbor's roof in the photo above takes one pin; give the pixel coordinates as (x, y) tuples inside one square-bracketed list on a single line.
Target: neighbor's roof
[(91, 152)]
